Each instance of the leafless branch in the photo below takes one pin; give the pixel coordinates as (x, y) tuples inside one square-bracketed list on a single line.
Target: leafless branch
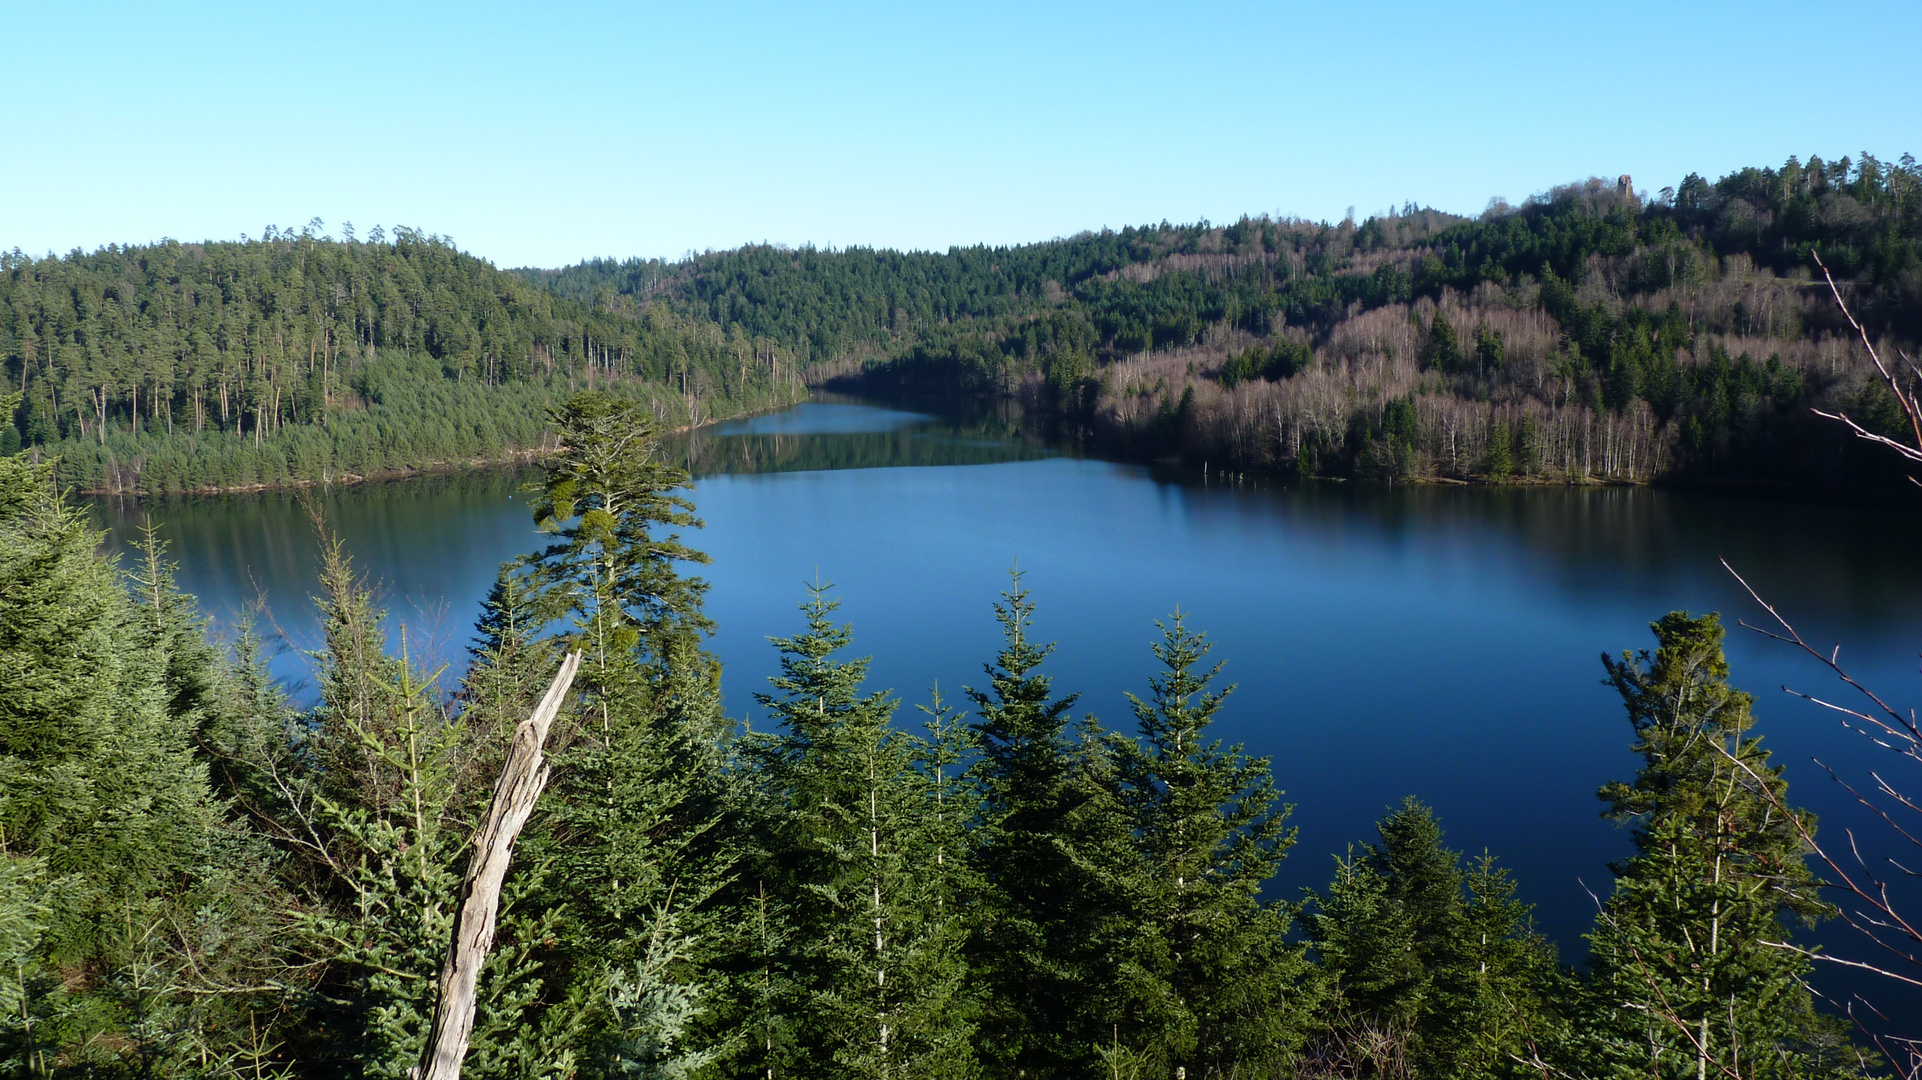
[(1907, 400), (1906, 728)]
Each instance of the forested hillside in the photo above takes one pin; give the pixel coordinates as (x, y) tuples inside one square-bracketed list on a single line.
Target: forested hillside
[(199, 880), (297, 356), (1588, 334)]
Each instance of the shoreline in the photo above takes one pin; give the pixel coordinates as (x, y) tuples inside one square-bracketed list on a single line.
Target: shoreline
[(523, 456)]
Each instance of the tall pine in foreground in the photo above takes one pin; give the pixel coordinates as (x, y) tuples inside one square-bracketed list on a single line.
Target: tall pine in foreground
[(1051, 839), (1209, 982), (1692, 973), (633, 835), (854, 839)]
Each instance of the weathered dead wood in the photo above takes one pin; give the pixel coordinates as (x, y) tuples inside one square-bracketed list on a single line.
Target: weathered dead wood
[(520, 784)]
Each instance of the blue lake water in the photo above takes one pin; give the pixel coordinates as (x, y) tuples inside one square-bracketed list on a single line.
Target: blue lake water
[(1435, 641)]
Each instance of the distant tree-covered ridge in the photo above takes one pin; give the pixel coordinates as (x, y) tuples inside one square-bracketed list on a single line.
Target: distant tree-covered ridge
[(1591, 333), (298, 356)]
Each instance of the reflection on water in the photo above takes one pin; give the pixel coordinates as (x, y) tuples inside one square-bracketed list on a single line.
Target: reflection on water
[(1386, 641), (823, 416), (840, 434)]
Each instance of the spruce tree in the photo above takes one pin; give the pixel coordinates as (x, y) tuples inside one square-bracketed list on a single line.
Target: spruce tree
[(1441, 963), (1048, 855), (855, 844), (1690, 966), (1211, 984)]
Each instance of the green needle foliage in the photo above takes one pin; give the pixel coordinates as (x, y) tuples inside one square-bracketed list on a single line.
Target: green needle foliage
[(199, 880), (1430, 968), (1209, 983), (1050, 841), (857, 841), (637, 831), (1691, 942), (134, 917), (302, 357)]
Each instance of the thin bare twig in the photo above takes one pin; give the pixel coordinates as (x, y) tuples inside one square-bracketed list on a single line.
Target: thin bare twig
[(1905, 399)]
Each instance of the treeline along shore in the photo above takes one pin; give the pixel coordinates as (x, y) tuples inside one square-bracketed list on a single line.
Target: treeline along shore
[(199, 879), (302, 358), (1590, 334)]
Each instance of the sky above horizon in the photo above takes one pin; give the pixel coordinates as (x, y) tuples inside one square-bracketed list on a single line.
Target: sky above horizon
[(542, 135)]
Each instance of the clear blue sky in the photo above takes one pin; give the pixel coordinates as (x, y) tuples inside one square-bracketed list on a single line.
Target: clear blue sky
[(542, 134)]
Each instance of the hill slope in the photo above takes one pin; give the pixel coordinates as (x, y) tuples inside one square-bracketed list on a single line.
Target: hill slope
[(178, 366), (1588, 334)]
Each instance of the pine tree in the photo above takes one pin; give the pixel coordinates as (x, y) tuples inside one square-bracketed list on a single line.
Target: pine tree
[(1688, 959), (1212, 985), (612, 573), (1047, 856), (1364, 943), (1441, 962), (876, 942), (635, 837), (1441, 348)]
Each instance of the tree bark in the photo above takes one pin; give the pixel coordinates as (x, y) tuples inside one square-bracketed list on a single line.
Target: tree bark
[(520, 784)]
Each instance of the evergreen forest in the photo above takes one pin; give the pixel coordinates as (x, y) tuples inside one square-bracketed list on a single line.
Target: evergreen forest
[(201, 876), (300, 357), (1589, 334), (1593, 333), (201, 879)]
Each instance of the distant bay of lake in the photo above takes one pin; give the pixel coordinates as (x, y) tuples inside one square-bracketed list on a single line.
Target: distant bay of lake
[(1435, 641)]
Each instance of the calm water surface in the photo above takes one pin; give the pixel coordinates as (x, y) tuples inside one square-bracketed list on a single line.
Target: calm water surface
[(1434, 641)]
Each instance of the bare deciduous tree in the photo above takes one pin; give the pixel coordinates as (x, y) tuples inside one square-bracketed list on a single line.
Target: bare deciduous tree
[(1870, 883)]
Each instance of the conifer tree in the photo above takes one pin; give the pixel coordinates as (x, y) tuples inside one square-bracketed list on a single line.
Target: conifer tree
[(120, 875), (1211, 984), (635, 831), (1050, 839), (378, 799), (1442, 962), (1689, 962), (856, 845), (1499, 1002)]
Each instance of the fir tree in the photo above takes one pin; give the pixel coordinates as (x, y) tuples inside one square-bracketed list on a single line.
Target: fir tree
[(1442, 962), (1689, 964), (1212, 985), (635, 835), (125, 905), (856, 830), (1498, 1003), (1049, 845)]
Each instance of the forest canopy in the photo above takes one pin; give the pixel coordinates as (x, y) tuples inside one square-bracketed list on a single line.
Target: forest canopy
[(1591, 333), (299, 356), (202, 879)]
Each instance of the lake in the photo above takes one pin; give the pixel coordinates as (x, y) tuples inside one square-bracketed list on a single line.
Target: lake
[(1435, 641)]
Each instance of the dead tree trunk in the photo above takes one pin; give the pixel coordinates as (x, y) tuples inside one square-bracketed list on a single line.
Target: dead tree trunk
[(520, 784)]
